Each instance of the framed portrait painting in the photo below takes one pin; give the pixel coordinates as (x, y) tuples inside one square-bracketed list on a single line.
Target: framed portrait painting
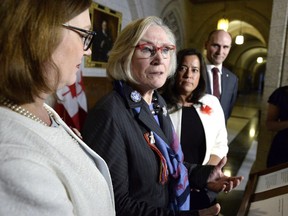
[(107, 24)]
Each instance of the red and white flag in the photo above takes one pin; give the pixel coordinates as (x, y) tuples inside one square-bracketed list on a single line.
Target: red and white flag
[(71, 103)]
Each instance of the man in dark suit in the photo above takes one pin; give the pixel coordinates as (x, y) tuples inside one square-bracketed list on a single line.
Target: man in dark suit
[(218, 46)]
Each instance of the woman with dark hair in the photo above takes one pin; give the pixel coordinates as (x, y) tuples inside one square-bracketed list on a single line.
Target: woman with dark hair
[(197, 117), (45, 169)]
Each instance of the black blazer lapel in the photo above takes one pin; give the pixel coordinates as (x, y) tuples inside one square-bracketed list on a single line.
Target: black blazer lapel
[(164, 119), (146, 118), (224, 84)]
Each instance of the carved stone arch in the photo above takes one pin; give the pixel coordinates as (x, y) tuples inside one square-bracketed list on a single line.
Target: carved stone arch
[(249, 16), (171, 16)]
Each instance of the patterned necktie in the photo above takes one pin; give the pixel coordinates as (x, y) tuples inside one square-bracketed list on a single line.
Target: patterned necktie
[(216, 91)]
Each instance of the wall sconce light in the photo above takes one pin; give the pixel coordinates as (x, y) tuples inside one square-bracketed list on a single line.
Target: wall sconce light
[(223, 23), (259, 60), (240, 38)]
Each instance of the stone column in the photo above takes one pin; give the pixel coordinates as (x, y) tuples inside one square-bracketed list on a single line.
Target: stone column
[(276, 74)]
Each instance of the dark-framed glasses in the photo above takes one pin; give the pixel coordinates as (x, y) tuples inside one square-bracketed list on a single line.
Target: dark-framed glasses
[(87, 37), (148, 50)]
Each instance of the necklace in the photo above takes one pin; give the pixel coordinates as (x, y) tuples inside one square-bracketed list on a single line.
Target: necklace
[(157, 108), (16, 108)]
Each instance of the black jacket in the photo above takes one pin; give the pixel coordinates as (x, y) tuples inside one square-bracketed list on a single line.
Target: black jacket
[(115, 132)]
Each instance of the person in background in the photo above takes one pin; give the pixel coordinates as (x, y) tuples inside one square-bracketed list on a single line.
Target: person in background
[(277, 121), (45, 169), (220, 81), (131, 129), (197, 117)]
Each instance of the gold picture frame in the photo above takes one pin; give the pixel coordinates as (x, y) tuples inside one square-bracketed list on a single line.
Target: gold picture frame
[(107, 25)]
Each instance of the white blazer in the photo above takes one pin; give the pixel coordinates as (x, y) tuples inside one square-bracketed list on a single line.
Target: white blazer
[(43, 171), (213, 124)]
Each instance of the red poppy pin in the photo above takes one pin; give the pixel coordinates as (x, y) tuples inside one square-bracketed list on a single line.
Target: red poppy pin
[(206, 109)]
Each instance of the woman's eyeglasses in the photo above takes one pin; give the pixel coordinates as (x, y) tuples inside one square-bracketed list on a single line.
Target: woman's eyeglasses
[(148, 50), (87, 37)]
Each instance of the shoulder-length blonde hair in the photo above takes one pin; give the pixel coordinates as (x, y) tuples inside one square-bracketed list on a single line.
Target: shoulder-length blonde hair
[(30, 32), (119, 62)]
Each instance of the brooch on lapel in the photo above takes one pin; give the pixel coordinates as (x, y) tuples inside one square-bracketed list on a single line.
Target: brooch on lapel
[(151, 138), (135, 96)]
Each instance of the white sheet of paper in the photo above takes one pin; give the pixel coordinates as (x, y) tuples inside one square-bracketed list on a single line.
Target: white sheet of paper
[(272, 180), (275, 206)]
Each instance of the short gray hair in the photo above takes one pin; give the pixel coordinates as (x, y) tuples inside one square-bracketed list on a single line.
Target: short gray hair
[(119, 62)]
